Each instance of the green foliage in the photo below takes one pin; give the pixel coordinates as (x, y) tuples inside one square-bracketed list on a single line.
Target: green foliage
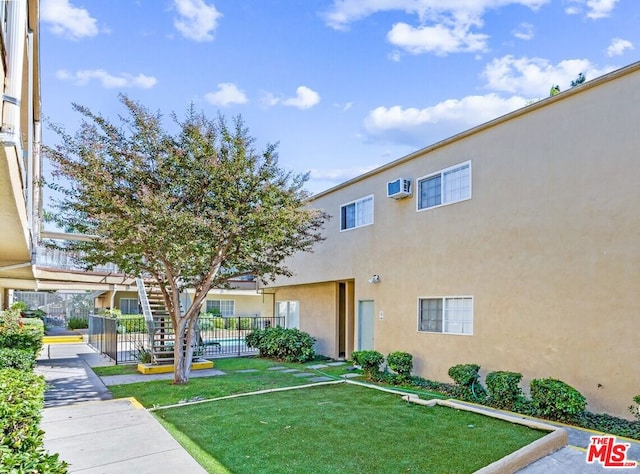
[(77, 323), (555, 400), (635, 409), (19, 306), (21, 333), (579, 80), (369, 361), (504, 389), (21, 400), (401, 363), (143, 355), (193, 204), (291, 345), (467, 379), (241, 323), (19, 359), (31, 462), (131, 323), (608, 424)]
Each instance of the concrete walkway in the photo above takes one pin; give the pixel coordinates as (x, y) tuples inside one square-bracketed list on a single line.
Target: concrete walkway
[(96, 434)]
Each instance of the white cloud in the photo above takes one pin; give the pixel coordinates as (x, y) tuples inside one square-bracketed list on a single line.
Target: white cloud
[(109, 81), (344, 12), (534, 77), (596, 9), (437, 39), (468, 111), (66, 20), (524, 32), (442, 27), (196, 20), (227, 93), (618, 46), (305, 98)]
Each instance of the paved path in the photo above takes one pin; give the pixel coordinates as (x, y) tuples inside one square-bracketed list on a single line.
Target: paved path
[(97, 435)]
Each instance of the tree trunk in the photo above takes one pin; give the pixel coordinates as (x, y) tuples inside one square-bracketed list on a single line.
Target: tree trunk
[(183, 350)]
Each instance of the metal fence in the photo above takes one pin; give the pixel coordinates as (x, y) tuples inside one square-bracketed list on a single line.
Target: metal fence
[(123, 339)]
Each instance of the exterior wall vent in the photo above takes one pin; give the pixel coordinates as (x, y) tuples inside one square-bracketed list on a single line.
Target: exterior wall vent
[(399, 188)]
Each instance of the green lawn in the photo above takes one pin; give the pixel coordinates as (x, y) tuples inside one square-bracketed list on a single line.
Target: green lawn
[(340, 428)]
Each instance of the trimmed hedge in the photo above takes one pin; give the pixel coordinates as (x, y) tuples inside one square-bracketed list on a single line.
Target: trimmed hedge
[(131, 323), (401, 363), (21, 333), (369, 361), (21, 440), (504, 389), (290, 345), (467, 379), (19, 359), (556, 400)]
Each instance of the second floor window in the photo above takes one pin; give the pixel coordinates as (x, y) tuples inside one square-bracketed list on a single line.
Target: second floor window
[(357, 213), (445, 187)]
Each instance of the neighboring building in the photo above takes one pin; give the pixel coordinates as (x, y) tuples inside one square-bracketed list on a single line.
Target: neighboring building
[(19, 150), (519, 249)]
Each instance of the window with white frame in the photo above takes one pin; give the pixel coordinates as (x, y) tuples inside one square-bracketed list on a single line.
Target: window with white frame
[(221, 307), (445, 187), (450, 315), (129, 306), (357, 213), (290, 311)]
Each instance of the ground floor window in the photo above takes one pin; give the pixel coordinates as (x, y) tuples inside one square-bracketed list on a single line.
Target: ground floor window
[(221, 307), (129, 306), (290, 311), (451, 315)]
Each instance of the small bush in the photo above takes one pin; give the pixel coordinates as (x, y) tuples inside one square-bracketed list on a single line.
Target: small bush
[(635, 409), (21, 333), (504, 389), (401, 363), (19, 359), (290, 345), (31, 462), (369, 361), (77, 323), (21, 401), (556, 400), (131, 323), (467, 379), (19, 306)]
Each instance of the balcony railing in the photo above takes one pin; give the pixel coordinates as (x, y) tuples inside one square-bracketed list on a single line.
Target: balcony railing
[(47, 257)]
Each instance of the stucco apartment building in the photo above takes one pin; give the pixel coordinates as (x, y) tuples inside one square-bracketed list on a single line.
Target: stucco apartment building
[(517, 248)]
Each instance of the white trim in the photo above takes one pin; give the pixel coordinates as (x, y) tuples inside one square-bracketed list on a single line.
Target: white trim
[(441, 174), (443, 298), (356, 201)]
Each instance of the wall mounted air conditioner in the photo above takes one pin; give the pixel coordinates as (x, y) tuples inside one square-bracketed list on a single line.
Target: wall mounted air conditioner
[(399, 188)]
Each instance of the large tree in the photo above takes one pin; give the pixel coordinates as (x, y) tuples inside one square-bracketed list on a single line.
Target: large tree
[(192, 207)]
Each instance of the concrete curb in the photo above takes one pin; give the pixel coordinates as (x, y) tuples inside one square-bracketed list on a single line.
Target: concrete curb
[(555, 440)]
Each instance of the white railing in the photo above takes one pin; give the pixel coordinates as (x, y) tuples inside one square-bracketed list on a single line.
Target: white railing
[(59, 259)]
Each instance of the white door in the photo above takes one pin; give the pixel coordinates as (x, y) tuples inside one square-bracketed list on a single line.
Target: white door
[(365, 325)]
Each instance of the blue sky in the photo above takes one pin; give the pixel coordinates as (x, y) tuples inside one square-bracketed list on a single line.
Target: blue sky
[(343, 86)]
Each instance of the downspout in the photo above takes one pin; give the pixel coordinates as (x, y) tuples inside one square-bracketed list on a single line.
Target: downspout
[(30, 157)]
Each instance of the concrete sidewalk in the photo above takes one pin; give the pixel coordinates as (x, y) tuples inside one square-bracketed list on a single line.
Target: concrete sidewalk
[(94, 433)]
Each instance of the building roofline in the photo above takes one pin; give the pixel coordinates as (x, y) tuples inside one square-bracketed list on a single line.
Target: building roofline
[(598, 81)]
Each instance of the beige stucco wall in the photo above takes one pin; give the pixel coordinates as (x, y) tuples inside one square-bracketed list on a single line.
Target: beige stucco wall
[(547, 246), (246, 303)]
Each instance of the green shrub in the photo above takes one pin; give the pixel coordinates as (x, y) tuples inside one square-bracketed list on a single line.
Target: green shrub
[(608, 424), (291, 345), (369, 361), (635, 409), (556, 400), (19, 306), (504, 389), (31, 462), (77, 323), (131, 323), (21, 333), (401, 363), (246, 323), (21, 401), (19, 359), (232, 323), (467, 379), (218, 322)]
